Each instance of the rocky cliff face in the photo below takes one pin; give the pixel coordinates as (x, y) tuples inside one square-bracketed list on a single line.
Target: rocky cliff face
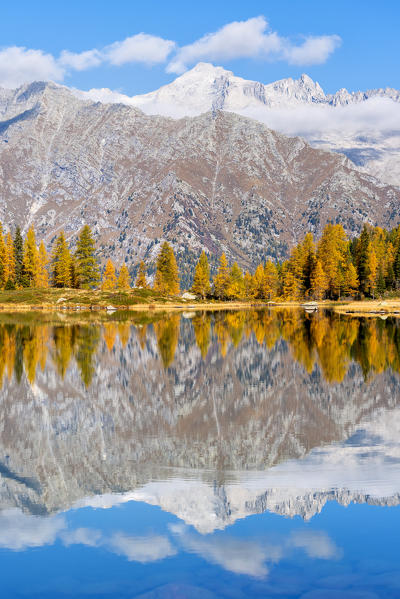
[(215, 422), (219, 181)]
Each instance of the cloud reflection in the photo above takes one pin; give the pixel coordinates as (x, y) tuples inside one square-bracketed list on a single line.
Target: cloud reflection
[(18, 531)]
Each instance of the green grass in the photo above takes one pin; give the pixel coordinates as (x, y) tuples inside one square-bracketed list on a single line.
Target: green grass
[(82, 297)]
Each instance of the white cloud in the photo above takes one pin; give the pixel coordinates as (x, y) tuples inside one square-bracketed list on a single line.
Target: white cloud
[(372, 115), (144, 48), (240, 556), (19, 531), (314, 50), (252, 39), (82, 536), (239, 39), (315, 543), (80, 61), (19, 65), (141, 549)]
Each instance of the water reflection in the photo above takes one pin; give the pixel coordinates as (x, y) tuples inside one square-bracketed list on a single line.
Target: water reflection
[(251, 453), (329, 341)]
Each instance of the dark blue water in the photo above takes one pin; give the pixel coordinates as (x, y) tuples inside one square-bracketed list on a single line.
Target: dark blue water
[(242, 457)]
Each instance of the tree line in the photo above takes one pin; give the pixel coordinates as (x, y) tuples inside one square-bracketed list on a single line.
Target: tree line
[(335, 266), (332, 267)]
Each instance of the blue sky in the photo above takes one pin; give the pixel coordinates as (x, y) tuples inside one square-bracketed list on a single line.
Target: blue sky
[(346, 43)]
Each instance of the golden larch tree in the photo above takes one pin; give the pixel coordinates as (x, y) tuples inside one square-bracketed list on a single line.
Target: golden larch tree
[(42, 275), (109, 279), (124, 279), (319, 281), (141, 280), (221, 280), (30, 259)]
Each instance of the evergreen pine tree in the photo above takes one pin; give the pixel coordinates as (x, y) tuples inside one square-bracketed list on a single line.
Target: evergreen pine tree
[(221, 280), (201, 281), (141, 281), (380, 281), (167, 277), (42, 277), (124, 279), (61, 263), (30, 259), (87, 270), (19, 258), (109, 279), (362, 259)]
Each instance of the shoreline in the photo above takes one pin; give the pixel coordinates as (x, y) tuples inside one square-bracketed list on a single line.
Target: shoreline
[(146, 300)]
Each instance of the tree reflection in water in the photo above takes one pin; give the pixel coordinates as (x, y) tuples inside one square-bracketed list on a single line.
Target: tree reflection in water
[(325, 339)]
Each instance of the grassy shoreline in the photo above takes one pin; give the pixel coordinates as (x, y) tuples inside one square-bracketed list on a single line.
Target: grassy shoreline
[(61, 300)]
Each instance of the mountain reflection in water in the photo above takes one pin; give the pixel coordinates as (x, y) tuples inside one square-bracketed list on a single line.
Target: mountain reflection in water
[(226, 421)]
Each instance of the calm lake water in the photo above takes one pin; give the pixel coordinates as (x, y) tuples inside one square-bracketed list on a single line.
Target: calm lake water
[(239, 454)]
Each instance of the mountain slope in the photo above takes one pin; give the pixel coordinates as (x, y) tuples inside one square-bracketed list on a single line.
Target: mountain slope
[(362, 125), (218, 181)]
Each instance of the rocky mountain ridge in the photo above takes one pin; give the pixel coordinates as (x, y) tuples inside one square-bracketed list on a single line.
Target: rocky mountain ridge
[(363, 125), (219, 181)]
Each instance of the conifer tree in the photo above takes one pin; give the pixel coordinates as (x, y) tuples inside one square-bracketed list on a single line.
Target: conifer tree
[(350, 279), (201, 281), (380, 281), (235, 288), (3, 258), (271, 280), (319, 282), (61, 263), (124, 279), (258, 286), (362, 259), (167, 276), (291, 286), (30, 259), (331, 252), (73, 272), (19, 258), (372, 270), (308, 259), (109, 279), (221, 280), (9, 272), (389, 266), (42, 277), (248, 285), (141, 281), (87, 269)]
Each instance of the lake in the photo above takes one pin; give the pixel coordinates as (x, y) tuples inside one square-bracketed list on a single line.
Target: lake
[(201, 455)]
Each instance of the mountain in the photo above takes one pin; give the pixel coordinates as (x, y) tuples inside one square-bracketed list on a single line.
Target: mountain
[(218, 181), (362, 125)]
